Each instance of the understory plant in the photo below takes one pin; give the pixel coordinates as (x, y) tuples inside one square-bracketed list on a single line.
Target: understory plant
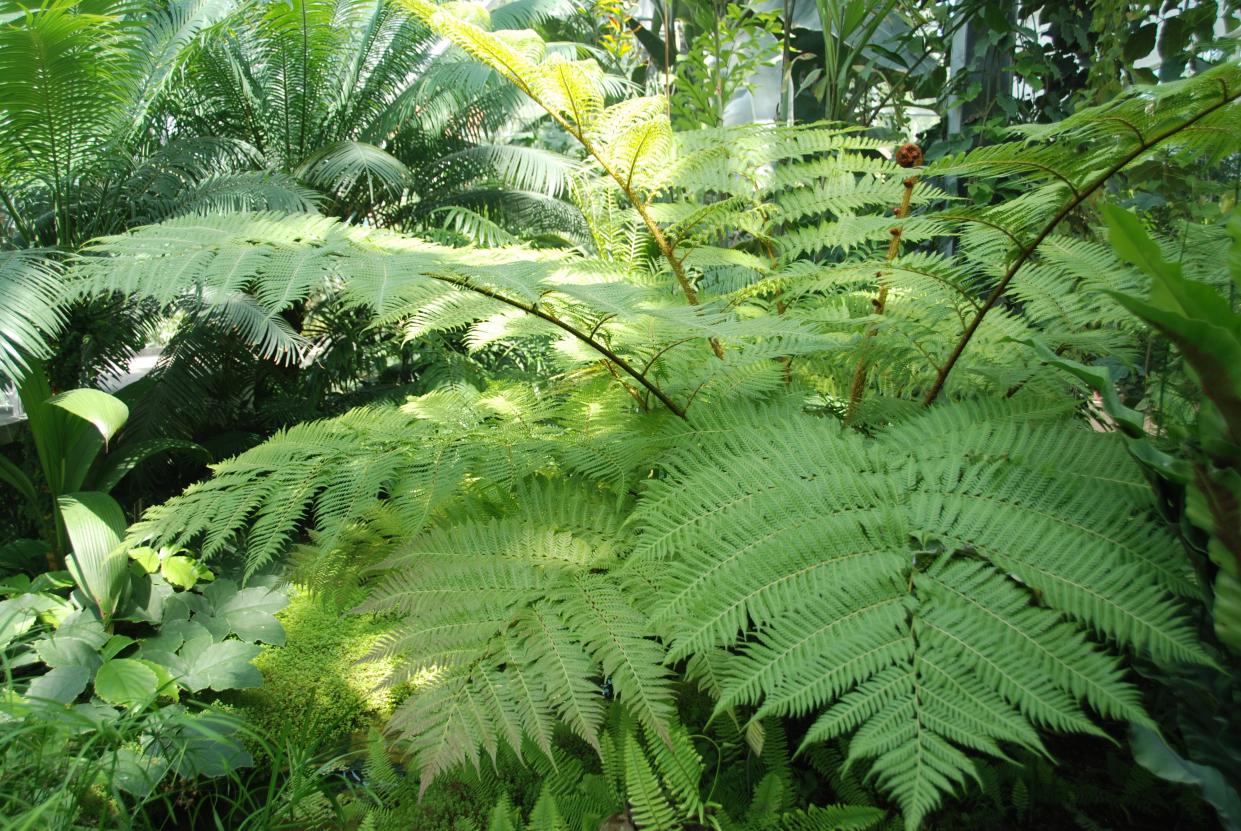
[(95, 715), (80, 524), (795, 458)]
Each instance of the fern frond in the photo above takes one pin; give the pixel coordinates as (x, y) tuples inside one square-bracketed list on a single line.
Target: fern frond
[(616, 634), (346, 166), (1187, 115), (832, 818), (937, 633), (567, 670), (545, 816), (648, 804)]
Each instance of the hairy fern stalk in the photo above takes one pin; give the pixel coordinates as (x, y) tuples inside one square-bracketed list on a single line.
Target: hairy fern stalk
[(680, 502)]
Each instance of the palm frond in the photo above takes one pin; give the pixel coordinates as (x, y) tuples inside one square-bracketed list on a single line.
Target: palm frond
[(30, 312)]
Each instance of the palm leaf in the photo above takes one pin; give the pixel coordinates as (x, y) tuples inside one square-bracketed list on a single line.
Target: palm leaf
[(29, 310)]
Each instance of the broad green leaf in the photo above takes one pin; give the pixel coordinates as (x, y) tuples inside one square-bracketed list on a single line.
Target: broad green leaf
[(85, 420), (51, 581), (146, 598), (47, 425), (126, 682), (1129, 420), (68, 651), (16, 618), (147, 557), (106, 412), (251, 599), (165, 678), (1170, 290), (1213, 351), (179, 570), (82, 624), (177, 607), (174, 633), (223, 666), (16, 477), (97, 712), (61, 684), (1132, 242), (1097, 378), (169, 637), (208, 745), (95, 525), (174, 666), (256, 625), (138, 773), (115, 646), (218, 627), (1194, 315), (14, 584)]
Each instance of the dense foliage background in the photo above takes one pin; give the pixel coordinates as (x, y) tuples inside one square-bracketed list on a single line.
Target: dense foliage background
[(675, 415)]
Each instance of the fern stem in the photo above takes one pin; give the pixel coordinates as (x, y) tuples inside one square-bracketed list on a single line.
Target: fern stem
[(858, 387), (781, 307), (532, 309), (634, 394), (577, 131), (661, 239), (1027, 251)]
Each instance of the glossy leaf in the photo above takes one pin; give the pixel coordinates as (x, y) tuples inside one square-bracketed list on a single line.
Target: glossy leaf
[(179, 570), (1154, 754), (105, 412), (95, 525)]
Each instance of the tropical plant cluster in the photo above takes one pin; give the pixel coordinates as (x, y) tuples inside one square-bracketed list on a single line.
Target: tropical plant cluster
[(583, 417)]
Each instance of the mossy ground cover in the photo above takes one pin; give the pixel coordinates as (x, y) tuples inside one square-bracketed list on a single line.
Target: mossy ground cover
[(317, 686)]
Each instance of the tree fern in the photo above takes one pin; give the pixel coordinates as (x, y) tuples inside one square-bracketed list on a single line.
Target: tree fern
[(974, 560), (935, 590), (1189, 116), (282, 260)]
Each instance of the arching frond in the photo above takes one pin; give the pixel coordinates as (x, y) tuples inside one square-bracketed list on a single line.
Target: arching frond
[(29, 310), (949, 561), (346, 166)]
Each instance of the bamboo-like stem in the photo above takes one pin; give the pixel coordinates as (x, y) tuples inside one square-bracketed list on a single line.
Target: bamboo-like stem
[(858, 387), (1026, 251)]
